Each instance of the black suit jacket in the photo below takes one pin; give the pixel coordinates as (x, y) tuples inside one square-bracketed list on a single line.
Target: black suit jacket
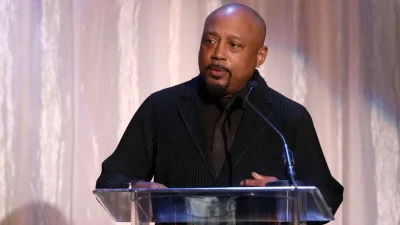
[(166, 139)]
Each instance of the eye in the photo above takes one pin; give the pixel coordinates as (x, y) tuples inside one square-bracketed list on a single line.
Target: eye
[(235, 45), (209, 41)]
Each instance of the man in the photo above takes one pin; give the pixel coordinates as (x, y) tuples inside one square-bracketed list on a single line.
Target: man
[(202, 134)]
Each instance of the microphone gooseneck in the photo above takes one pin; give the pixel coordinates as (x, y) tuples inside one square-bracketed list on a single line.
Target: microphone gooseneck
[(288, 158)]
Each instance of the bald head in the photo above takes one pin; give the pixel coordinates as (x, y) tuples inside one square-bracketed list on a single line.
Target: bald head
[(232, 46), (245, 12)]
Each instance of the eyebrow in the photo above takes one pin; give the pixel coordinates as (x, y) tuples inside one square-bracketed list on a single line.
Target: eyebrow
[(216, 34)]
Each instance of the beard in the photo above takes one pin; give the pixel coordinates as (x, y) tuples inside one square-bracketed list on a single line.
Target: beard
[(217, 87)]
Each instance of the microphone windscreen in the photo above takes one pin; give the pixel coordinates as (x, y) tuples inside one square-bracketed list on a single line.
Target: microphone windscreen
[(253, 84)]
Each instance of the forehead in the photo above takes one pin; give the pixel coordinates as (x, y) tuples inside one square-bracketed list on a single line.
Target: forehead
[(231, 24)]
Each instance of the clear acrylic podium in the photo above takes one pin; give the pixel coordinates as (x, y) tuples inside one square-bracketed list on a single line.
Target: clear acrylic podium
[(214, 205)]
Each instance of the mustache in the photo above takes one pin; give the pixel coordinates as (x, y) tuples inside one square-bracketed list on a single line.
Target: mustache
[(218, 67)]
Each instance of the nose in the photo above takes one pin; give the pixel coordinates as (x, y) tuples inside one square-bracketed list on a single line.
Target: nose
[(219, 52)]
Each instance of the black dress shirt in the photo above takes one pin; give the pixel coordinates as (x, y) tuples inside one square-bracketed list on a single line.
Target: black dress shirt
[(212, 109)]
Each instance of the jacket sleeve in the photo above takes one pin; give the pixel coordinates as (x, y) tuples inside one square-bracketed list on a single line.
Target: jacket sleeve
[(133, 157), (310, 163)]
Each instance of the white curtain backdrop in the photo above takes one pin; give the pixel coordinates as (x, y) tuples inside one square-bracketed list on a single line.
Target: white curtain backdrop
[(73, 72)]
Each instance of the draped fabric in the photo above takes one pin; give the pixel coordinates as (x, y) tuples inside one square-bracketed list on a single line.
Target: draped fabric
[(73, 72)]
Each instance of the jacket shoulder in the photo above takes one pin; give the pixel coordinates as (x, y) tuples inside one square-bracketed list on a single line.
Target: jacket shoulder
[(286, 104), (174, 92), (169, 93)]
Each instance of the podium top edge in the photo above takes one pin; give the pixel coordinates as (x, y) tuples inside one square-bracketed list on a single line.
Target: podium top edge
[(210, 190)]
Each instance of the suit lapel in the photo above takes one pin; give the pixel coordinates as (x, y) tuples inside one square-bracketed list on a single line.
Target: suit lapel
[(252, 124), (191, 113)]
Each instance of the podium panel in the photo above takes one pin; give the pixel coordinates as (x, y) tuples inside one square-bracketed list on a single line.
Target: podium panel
[(214, 205)]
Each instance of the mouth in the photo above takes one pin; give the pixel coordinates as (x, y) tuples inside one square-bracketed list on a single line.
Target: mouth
[(217, 72)]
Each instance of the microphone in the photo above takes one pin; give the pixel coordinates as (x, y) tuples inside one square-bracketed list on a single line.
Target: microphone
[(288, 155)]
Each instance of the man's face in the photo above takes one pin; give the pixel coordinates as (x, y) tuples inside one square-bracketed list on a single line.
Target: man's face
[(228, 52)]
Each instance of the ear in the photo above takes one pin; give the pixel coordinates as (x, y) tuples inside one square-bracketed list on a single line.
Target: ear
[(261, 55)]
